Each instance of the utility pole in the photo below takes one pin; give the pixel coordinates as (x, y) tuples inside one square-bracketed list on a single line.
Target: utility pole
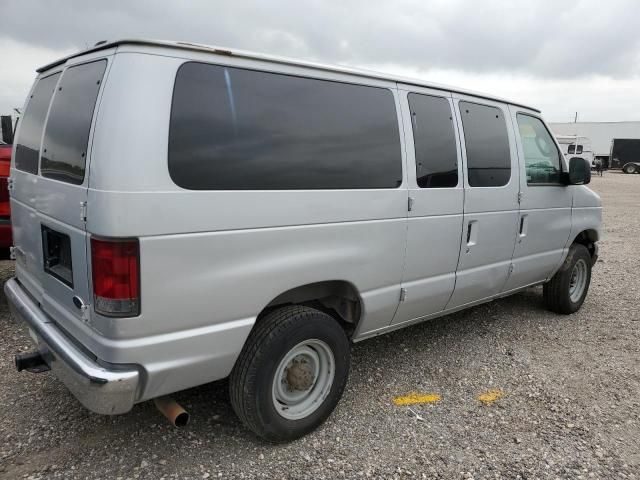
[(575, 119)]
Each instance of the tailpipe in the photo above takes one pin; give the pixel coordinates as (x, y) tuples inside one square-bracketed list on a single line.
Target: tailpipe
[(171, 409), (31, 362)]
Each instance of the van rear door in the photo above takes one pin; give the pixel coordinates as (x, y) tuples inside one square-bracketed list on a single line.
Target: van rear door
[(50, 190)]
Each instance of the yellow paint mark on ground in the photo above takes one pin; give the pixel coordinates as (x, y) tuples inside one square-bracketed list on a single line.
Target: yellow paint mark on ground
[(415, 398), (491, 396)]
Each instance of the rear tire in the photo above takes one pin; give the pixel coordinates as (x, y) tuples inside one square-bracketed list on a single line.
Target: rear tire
[(291, 373), (567, 289), (630, 168)]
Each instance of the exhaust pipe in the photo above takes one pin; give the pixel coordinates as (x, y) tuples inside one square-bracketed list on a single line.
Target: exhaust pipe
[(171, 409), (31, 362)]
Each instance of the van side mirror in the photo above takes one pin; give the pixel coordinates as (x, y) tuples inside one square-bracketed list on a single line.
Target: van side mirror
[(579, 171)]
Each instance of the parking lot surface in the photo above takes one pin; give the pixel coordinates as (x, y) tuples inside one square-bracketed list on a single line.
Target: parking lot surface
[(514, 391)]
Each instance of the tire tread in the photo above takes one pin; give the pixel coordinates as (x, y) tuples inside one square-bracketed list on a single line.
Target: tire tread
[(555, 291), (243, 377)]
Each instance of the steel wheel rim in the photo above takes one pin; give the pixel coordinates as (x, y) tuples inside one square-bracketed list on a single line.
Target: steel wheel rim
[(303, 379), (578, 280)]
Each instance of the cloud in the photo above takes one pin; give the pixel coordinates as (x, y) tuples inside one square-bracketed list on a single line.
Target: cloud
[(543, 44), (594, 97), (17, 70)]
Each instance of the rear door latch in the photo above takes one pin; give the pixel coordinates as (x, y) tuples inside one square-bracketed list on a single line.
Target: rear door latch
[(83, 307)]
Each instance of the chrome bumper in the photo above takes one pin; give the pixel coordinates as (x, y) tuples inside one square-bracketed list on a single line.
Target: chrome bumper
[(102, 390)]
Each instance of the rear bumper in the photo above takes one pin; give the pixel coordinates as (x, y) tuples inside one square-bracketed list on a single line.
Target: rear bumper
[(106, 390)]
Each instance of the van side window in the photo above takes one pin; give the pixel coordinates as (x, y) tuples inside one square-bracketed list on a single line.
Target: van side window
[(572, 149), (31, 124), (434, 140), (541, 156), (66, 135), (487, 144), (238, 129)]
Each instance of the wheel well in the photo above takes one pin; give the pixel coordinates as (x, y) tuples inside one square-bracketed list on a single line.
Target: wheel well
[(588, 238), (337, 298)]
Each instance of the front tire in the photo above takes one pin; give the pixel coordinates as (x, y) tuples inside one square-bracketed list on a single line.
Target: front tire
[(630, 168), (291, 373), (567, 289)]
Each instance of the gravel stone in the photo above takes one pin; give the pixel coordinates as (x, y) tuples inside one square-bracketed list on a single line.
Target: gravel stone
[(571, 404)]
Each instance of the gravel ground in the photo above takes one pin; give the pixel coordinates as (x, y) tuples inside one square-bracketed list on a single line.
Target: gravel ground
[(570, 407)]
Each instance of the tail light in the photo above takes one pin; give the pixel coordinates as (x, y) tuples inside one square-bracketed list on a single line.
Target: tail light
[(5, 208), (115, 265)]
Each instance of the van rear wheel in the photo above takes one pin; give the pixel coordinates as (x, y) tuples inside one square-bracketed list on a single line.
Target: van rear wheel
[(291, 373), (567, 289)]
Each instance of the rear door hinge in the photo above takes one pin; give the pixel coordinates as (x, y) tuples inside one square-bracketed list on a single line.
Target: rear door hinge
[(84, 312), (520, 195), (10, 184), (403, 294), (83, 211), (410, 204)]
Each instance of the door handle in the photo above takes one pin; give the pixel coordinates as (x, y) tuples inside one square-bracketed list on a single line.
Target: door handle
[(472, 234), (524, 223)]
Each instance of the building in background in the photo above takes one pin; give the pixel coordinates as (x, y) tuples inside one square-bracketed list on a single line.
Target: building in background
[(601, 134)]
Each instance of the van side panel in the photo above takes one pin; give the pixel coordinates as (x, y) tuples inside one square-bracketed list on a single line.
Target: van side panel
[(212, 260)]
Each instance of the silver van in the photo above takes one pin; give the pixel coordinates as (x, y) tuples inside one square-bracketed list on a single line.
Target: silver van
[(184, 213)]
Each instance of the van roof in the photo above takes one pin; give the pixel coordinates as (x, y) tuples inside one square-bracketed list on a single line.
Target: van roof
[(282, 60)]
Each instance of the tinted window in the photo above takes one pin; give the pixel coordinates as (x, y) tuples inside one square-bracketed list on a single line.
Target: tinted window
[(435, 141), (31, 123), (64, 148), (236, 129), (541, 156), (572, 149), (487, 142)]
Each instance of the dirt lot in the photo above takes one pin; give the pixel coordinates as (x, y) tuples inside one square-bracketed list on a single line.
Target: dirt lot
[(571, 404)]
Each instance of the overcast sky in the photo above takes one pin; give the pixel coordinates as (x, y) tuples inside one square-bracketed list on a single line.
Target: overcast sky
[(561, 56)]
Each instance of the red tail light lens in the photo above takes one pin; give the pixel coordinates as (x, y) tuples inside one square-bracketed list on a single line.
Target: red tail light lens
[(5, 165), (115, 265), (5, 207)]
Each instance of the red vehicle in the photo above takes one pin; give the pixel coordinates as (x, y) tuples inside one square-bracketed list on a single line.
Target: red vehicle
[(6, 238)]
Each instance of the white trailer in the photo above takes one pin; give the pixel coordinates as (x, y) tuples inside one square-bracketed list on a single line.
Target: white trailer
[(576, 146), (600, 133)]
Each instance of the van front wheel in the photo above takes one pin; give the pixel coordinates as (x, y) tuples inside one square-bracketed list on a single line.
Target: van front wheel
[(567, 289), (291, 373)]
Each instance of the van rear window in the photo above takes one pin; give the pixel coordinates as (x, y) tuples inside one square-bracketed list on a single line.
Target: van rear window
[(31, 123), (64, 148), (238, 129)]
